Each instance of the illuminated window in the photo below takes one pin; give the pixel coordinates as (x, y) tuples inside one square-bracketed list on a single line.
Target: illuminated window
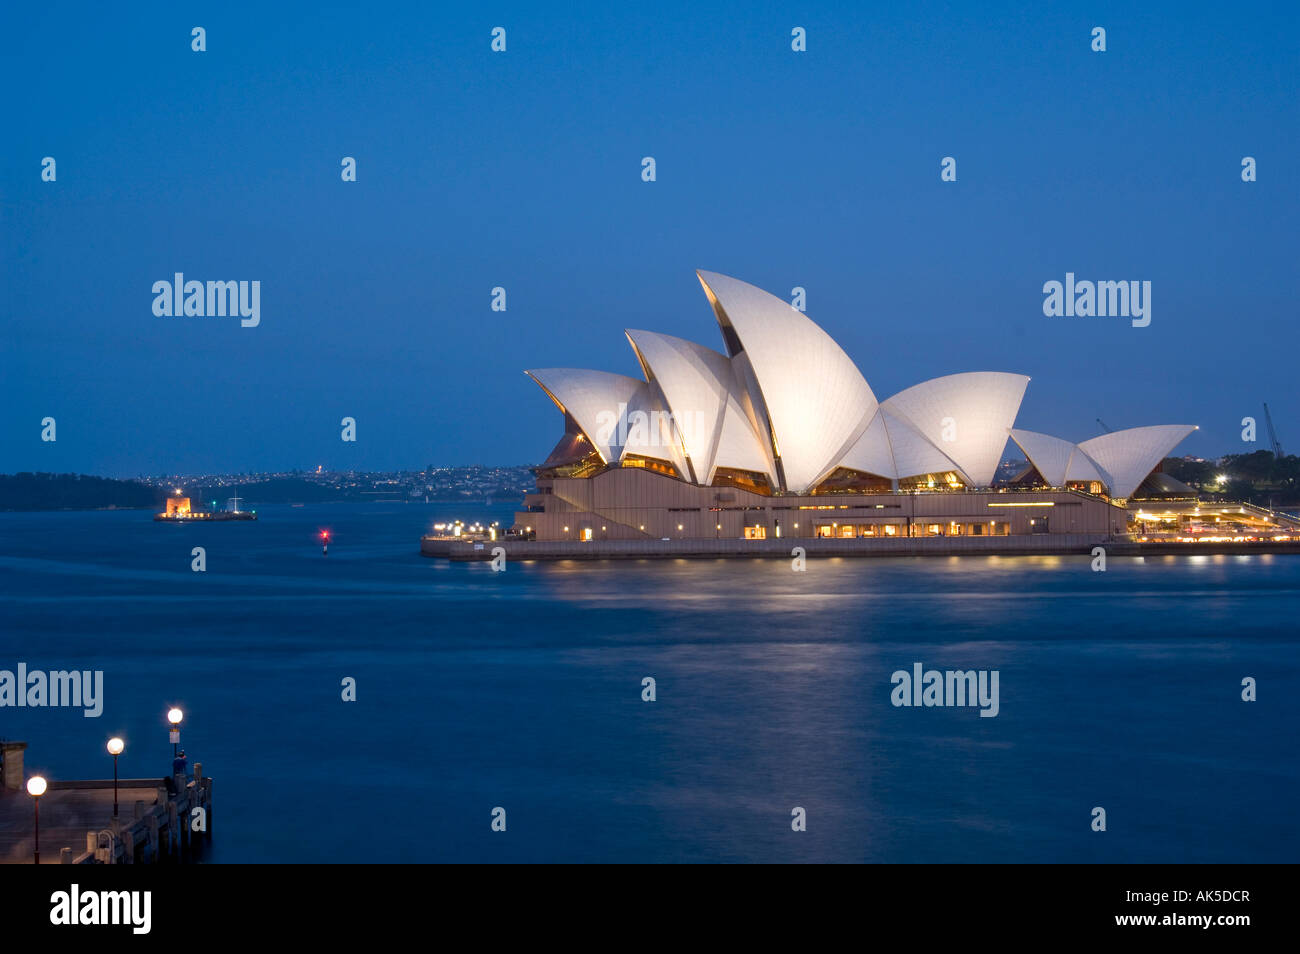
[(756, 533), (755, 483), (847, 531)]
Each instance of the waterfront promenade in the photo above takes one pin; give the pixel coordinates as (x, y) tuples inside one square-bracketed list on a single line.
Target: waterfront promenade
[(818, 547), (77, 824)]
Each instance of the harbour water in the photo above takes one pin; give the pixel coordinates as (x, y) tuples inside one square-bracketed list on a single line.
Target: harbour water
[(523, 690)]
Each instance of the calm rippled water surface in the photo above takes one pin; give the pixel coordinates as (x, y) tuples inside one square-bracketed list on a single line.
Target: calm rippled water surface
[(523, 689)]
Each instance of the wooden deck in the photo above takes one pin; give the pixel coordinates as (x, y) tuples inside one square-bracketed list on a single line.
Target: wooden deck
[(77, 825)]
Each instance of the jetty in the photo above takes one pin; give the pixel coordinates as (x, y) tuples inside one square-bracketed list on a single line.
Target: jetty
[(159, 819)]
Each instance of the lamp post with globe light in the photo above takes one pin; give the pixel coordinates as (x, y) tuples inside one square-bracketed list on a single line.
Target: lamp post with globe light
[(36, 788), (115, 747), (174, 716)]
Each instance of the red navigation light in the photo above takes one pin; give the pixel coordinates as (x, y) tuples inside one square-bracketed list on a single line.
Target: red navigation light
[(324, 534)]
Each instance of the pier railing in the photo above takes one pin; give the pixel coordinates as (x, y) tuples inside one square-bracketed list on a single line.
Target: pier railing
[(158, 826)]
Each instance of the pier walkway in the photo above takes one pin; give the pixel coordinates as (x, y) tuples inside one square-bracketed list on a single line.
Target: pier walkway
[(77, 824)]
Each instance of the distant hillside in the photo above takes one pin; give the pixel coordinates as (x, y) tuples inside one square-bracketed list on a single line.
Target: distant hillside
[(74, 492), (282, 490)]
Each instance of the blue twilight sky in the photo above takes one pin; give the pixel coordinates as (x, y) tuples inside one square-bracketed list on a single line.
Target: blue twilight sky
[(522, 169)]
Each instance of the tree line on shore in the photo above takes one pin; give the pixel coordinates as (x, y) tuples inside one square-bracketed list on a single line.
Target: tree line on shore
[(27, 491), (1259, 478)]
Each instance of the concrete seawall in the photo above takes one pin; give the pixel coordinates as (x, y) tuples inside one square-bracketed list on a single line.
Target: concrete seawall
[(1032, 545)]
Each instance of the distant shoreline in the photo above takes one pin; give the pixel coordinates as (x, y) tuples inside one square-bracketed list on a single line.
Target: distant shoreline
[(53, 493)]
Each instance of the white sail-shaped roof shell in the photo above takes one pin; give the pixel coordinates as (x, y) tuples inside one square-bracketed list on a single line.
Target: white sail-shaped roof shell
[(739, 448), (1127, 457), (650, 430), (696, 383), (891, 447), (1121, 460), (914, 453), (873, 453), (816, 400), (1083, 467), (966, 416), (1049, 455), (750, 401), (596, 400)]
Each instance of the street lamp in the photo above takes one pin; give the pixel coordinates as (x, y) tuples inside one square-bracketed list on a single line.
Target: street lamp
[(115, 747), (36, 788), (174, 716)]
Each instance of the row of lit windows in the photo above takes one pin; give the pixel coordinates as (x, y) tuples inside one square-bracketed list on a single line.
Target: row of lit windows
[(848, 531), (952, 528)]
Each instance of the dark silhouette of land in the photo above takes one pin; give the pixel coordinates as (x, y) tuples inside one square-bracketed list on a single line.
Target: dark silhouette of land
[(28, 491)]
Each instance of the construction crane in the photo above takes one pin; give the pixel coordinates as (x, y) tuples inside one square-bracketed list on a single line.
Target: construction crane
[(1272, 434), (1102, 425)]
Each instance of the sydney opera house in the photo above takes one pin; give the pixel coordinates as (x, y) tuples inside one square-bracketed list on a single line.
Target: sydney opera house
[(781, 436)]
